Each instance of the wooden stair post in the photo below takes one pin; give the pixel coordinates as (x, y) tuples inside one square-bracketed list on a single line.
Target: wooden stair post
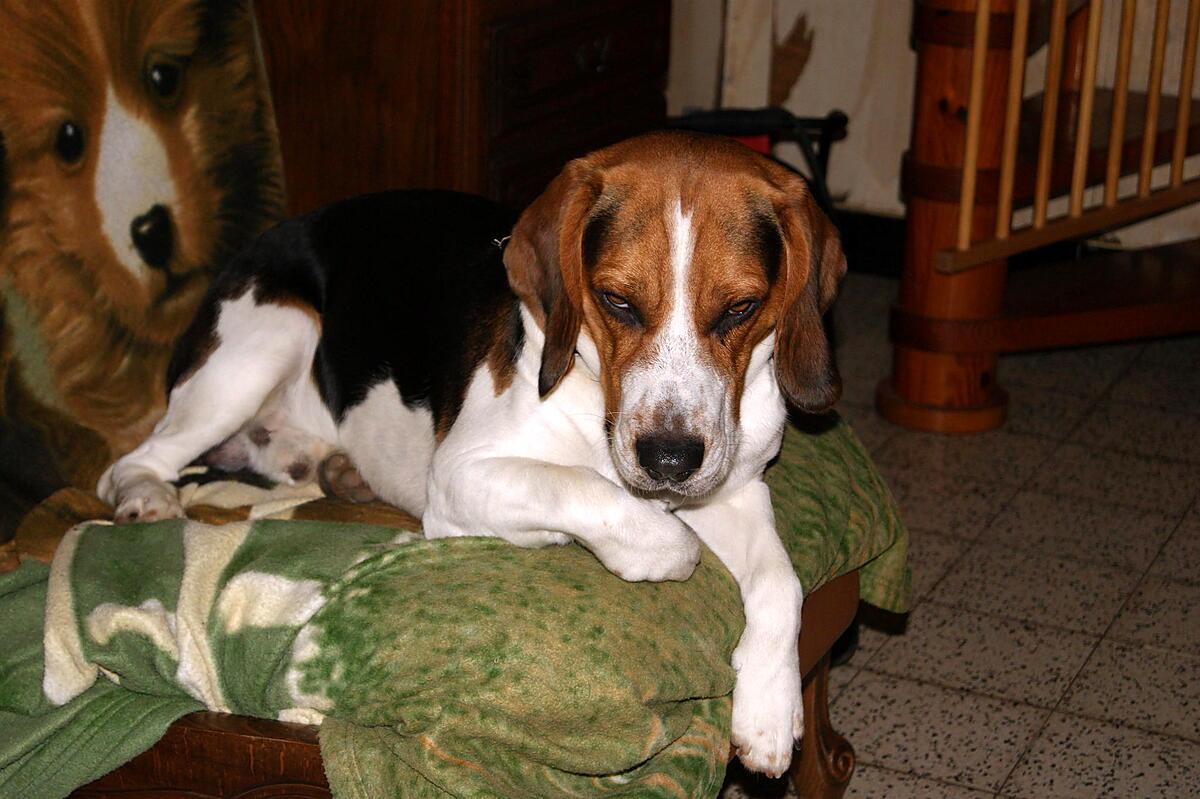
[(951, 392)]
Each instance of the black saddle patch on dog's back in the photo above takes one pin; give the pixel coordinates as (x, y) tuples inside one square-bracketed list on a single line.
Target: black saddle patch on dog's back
[(408, 285)]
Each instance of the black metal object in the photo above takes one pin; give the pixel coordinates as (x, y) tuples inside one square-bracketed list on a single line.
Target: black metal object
[(814, 135)]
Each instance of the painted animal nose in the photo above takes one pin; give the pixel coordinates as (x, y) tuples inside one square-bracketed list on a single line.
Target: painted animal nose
[(670, 457), (153, 237)]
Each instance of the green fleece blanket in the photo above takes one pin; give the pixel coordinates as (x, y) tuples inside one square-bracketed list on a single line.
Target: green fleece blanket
[(462, 667)]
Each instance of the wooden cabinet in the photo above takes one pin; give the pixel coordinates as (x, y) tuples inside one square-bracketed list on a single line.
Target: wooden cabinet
[(490, 96)]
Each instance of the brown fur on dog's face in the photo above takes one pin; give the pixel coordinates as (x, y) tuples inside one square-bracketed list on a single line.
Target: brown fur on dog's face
[(139, 155)]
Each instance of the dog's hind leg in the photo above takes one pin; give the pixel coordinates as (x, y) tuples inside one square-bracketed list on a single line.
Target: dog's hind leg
[(261, 352)]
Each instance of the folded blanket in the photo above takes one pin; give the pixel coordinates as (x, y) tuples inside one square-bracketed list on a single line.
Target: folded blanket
[(461, 667)]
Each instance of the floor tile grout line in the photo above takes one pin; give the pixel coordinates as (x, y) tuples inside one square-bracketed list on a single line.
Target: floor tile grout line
[(1066, 438), (1070, 495), (928, 777), (1136, 454), (1112, 503), (1105, 393), (990, 614), (1071, 683), (1076, 559), (1025, 703), (1144, 404)]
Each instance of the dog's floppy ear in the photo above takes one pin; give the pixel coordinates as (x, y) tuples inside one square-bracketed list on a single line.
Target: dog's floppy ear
[(812, 270), (545, 264)]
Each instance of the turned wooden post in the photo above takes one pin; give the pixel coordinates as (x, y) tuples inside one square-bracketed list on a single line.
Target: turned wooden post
[(944, 392)]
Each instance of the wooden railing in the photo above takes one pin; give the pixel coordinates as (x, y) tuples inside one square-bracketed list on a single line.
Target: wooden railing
[(1113, 210)]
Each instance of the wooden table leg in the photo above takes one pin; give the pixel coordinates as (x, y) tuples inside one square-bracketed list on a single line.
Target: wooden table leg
[(826, 760)]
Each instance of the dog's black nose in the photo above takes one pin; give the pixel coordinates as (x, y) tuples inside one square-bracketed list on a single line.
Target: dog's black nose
[(670, 457), (153, 237)]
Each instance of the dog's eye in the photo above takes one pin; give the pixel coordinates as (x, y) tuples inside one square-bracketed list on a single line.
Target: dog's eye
[(165, 79), (740, 309), (616, 301), (69, 142), (734, 315), (620, 308)]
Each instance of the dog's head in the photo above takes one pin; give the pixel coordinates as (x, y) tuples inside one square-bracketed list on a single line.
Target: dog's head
[(679, 267), (139, 152)]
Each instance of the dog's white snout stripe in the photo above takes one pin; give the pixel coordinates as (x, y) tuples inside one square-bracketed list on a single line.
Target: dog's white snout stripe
[(675, 387), (133, 174)]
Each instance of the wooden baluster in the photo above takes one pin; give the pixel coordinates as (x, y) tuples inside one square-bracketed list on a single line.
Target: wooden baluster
[(1054, 63), (1153, 96), (1116, 136), (1186, 77), (1012, 118), (1083, 132), (966, 205)]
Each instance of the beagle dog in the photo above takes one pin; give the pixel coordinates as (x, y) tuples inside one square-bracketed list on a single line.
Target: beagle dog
[(616, 375)]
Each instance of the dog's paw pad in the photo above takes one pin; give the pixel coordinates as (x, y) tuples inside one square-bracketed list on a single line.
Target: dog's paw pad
[(340, 478), (148, 502), (765, 752)]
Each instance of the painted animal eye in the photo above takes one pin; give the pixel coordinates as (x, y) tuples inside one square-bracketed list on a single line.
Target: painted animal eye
[(164, 79), (69, 142)]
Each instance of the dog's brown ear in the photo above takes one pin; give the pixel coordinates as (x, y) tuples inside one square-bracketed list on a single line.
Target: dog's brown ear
[(814, 265), (545, 265)]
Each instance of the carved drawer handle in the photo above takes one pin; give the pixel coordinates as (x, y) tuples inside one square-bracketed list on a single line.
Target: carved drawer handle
[(592, 57)]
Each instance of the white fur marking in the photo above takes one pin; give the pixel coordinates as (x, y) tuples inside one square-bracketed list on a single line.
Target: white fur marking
[(392, 446), (676, 383), (683, 245)]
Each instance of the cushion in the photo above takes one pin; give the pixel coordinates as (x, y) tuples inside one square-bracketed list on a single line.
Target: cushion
[(461, 667)]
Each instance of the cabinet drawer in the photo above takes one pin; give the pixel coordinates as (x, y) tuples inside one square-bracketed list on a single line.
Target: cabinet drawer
[(521, 166), (542, 63)]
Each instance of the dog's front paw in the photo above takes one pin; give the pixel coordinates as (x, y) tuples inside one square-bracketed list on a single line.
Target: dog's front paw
[(768, 714), (653, 545), (147, 500)]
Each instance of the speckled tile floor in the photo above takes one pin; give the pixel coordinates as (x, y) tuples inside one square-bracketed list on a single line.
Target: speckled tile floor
[(1053, 648)]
